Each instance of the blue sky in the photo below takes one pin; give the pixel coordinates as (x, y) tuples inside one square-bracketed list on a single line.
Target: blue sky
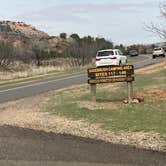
[(121, 21)]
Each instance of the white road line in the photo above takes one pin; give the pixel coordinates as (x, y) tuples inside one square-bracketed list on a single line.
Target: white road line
[(40, 83), (31, 81)]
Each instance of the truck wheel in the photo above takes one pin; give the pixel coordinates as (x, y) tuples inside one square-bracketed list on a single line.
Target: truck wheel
[(154, 57)]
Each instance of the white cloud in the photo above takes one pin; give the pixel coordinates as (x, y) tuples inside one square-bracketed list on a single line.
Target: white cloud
[(120, 20)]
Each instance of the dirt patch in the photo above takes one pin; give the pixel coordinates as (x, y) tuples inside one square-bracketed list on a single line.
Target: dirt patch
[(96, 105), (156, 93), (152, 68)]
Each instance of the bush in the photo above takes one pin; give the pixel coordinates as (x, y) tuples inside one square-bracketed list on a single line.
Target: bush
[(63, 35), (6, 52)]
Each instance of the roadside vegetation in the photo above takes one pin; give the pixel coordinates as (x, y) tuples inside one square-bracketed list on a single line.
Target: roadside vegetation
[(20, 51), (110, 112), (22, 77), (16, 65), (22, 55)]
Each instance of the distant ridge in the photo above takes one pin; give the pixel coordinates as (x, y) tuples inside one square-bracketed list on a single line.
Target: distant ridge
[(23, 35), (27, 30)]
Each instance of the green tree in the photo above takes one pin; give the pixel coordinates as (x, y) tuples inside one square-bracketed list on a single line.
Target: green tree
[(75, 36)]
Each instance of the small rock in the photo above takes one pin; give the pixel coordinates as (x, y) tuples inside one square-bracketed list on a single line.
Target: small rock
[(135, 101), (141, 99), (125, 101)]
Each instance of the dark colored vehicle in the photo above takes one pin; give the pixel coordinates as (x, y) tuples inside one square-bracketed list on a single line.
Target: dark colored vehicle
[(133, 53)]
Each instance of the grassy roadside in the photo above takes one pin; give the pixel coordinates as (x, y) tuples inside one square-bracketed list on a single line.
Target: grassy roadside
[(110, 112), (40, 76)]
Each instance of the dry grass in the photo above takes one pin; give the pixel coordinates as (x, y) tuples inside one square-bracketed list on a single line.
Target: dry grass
[(95, 105), (31, 71), (152, 68), (155, 93), (21, 70)]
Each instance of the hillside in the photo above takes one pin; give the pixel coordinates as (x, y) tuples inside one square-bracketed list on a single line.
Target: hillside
[(25, 36), (23, 28), (28, 45)]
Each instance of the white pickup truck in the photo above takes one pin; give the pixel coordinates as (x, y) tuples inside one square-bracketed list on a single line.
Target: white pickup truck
[(158, 52)]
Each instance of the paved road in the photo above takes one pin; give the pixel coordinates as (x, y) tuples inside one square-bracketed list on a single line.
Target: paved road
[(47, 84), (26, 147)]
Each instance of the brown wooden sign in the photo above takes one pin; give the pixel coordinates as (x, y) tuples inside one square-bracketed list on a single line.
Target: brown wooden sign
[(109, 75), (111, 71), (111, 80)]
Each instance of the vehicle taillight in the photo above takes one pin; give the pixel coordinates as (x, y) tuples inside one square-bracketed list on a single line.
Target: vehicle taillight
[(114, 57), (98, 59)]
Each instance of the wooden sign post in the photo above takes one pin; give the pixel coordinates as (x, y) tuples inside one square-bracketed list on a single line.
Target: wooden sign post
[(130, 91), (111, 74), (93, 92)]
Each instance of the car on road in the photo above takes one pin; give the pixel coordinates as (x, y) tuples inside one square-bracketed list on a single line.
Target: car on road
[(157, 52), (133, 53), (110, 57)]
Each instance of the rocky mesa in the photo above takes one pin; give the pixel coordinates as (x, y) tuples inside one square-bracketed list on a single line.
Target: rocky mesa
[(23, 35)]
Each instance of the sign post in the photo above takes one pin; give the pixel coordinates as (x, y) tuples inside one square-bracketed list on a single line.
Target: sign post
[(111, 74), (130, 92), (93, 92)]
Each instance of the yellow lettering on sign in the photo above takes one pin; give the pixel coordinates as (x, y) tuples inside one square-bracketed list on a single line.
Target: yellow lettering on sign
[(101, 74), (110, 69), (122, 72), (109, 80)]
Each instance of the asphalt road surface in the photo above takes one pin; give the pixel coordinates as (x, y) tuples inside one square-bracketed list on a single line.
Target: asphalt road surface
[(47, 84), (26, 147)]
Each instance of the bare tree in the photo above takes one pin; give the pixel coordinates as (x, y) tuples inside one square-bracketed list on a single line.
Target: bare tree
[(38, 47), (84, 49), (160, 30), (6, 54)]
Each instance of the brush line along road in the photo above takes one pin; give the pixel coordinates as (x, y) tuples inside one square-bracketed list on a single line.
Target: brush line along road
[(39, 86)]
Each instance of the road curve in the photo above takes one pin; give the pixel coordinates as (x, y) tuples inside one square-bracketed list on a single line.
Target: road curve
[(43, 85)]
